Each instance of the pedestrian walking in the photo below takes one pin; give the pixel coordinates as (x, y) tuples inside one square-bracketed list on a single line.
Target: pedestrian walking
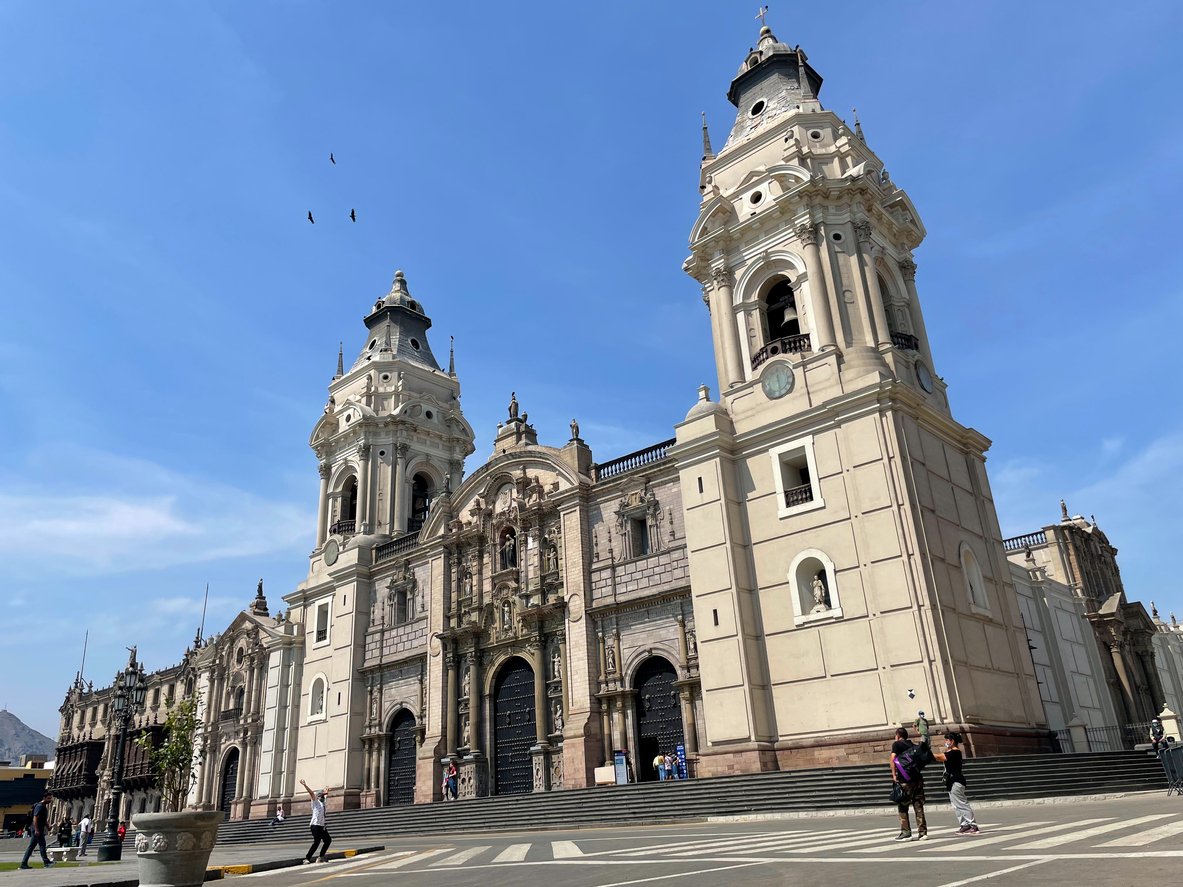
[(669, 767), (65, 832), (659, 766), (1156, 734), (912, 781), (921, 725), (121, 831), (952, 758), (279, 817), (453, 780), (40, 822), (85, 833), (320, 835)]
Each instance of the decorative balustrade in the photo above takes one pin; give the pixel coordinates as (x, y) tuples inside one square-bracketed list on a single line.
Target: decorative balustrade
[(343, 528), (395, 547), (230, 714), (633, 461), (798, 495), (905, 341), (788, 345), (1018, 543)]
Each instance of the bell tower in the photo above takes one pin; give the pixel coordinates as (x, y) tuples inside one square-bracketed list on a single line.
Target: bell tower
[(845, 555)]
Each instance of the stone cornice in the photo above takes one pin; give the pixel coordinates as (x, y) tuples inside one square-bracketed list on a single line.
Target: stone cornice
[(632, 604)]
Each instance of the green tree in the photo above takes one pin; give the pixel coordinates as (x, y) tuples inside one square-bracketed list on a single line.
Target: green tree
[(174, 759)]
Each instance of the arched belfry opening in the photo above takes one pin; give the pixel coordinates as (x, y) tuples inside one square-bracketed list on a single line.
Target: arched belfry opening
[(779, 306), (422, 493), (349, 500)]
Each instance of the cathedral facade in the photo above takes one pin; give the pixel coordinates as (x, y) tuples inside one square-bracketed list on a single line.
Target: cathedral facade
[(811, 558)]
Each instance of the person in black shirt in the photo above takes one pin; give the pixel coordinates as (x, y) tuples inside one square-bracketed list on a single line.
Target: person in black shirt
[(955, 783), (37, 832), (914, 783)]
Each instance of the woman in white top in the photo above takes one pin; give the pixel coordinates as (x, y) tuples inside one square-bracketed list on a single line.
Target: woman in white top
[(319, 832)]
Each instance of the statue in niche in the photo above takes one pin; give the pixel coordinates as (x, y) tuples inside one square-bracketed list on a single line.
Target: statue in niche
[(550, 554), (691, 644), (464, 733), (556, 662), (821, 599), (509, 551), (466, 681), (506, 615), (467, 584), (557, 717), (611, 657), (513, 406)]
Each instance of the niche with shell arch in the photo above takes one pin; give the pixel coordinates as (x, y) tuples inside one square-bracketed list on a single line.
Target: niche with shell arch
[(813, 588), (975, 583)]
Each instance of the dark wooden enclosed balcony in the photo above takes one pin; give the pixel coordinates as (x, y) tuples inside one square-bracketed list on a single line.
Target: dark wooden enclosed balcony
[(230, 714), (798, 344)]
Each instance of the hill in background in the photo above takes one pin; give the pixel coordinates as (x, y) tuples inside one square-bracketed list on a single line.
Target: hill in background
[(16, 739)]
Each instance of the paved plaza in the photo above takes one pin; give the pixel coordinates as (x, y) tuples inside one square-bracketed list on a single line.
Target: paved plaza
[(1135, 839)]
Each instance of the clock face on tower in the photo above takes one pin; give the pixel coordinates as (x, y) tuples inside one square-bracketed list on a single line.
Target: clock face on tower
[(924, 377), (777, 380)]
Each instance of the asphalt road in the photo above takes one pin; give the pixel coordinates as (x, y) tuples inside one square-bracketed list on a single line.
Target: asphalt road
[(1138, 839)]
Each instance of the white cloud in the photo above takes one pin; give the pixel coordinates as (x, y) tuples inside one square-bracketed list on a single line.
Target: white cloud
[(141, 516), (1112, 445)]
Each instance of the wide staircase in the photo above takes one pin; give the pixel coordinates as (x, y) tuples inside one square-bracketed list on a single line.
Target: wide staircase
[(1009, 777)]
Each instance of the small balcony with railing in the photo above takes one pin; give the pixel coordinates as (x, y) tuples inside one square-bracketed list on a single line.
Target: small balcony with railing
[(905, 341), (798, 344), (799, 495), (343, 528)]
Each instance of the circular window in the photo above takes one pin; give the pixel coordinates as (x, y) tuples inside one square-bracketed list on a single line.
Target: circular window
[(757, 109), (382, 452), (415, 344), (413, 305), (836, 237), (756, 197), (429, 414), (386, 377), (370, 347), (816, 135)]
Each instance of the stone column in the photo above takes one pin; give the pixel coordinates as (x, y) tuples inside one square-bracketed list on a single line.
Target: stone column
[(819, 300), (400, 489), (1133, 710), (689, 721), (322, 508), (683, 648), (716, 337), (721, 306), (475, 698), (363, 489), (453, 703), (908, 272), (866, 249), (563, 675), (540, 713), (605, 726)]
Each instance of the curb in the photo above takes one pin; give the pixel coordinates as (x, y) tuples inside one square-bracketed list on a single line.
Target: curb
[(218, 872), (942, 807)]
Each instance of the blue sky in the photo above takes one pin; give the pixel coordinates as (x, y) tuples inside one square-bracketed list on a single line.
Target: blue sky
[(170, 320)]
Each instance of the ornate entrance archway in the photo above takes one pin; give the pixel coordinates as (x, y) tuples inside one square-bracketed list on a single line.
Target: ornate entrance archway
[(514, 729), (229, 782), (400, 760), (659, 714)]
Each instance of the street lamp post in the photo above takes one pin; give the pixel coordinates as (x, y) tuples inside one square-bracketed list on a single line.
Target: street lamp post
[(129, 699)]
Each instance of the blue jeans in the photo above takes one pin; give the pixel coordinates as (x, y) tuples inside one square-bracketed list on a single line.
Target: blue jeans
[(38, 841), (661, 774)]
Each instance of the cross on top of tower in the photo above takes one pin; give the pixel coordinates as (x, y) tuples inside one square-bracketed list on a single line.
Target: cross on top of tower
[(761, 14)]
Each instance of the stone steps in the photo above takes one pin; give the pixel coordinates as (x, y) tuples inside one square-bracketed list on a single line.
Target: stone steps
[(1011, 777)]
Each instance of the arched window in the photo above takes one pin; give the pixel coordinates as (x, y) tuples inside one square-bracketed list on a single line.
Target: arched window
[(975, 584), (349, 500), (316, 701), (239, 698), (779, 307), (422, 491), (814, 588)]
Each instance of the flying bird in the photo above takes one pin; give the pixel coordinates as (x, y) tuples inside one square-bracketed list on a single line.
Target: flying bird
[(332, 159), (353, 215), (312, 220)]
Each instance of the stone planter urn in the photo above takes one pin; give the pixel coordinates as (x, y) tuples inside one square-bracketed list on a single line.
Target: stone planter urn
[(173, 848)]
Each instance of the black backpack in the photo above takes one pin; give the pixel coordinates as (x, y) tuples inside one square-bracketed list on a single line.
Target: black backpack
[(915, 759)]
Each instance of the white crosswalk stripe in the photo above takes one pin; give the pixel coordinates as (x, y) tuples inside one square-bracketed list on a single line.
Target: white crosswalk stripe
[(1029, 829), (565, 850), (1142, 838), (737, 842), (748, 845), (460, 858), (422, 856), (512, 853), (1072, 837), (950, 840)]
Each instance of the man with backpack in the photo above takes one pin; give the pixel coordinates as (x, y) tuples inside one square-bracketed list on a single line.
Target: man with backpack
[(907, 764), (37, 828)]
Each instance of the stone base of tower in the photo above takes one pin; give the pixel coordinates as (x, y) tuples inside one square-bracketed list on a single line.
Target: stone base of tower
[(736, 761)]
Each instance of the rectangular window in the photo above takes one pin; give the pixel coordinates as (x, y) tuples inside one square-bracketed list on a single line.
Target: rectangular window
[(401, 613), (638, 536), (156, 696), (795, 474), (322, 622)]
